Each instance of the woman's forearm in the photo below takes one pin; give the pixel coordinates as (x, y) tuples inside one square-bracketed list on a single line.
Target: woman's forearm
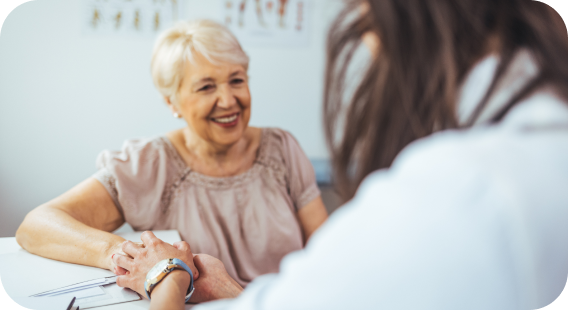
[(170, 293), (53, 233)]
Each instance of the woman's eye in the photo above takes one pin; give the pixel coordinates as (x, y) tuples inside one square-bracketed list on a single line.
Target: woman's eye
[(205, 88), (237, 81)]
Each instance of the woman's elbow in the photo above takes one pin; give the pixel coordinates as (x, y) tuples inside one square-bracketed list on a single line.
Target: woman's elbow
[(29, 229)]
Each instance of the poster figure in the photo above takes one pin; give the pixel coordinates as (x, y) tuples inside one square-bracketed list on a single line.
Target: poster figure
[(268, 23), (144, 18)]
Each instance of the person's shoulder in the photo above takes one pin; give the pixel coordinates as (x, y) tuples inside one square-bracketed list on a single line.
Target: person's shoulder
[(137, 152), (280, 135), (145, 146), (464, 161), (455, 149), (279, 138), (279, 144), (145, 143)]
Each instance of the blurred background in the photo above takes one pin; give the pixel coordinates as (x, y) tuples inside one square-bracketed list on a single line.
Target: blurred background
[(75, 80)]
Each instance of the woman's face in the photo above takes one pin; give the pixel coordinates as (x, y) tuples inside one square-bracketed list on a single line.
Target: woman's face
[(215, 101)]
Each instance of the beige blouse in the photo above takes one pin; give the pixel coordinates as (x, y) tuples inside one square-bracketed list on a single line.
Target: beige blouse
[(248, 221)]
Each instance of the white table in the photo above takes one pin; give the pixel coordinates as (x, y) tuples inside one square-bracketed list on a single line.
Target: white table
[(25, 274)]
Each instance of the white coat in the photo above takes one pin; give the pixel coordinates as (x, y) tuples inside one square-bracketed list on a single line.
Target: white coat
[(464, 219)]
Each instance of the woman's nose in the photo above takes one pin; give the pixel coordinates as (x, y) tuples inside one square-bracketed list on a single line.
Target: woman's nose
[(226, 97)]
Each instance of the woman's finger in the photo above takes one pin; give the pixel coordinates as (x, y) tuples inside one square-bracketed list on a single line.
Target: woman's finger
[(131, 248), (119, 271), (150, 239), (123, 261), (131, 282), (123, 281), (181, 245)]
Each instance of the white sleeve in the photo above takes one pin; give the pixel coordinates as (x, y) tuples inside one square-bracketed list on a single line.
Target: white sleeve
[(433, 233)]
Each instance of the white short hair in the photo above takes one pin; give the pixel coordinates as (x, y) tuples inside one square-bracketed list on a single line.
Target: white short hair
[(182, 41)]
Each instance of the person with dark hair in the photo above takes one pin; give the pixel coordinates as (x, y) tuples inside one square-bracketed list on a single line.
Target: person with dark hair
[(452, 156)]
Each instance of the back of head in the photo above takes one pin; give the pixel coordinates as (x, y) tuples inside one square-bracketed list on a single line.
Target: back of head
[(182, 42), (426, 48)]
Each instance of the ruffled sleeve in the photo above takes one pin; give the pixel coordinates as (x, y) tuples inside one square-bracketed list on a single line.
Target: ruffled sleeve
[(300, 175), (137, 180)]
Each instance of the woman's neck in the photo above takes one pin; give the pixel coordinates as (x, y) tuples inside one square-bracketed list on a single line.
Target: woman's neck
[(201, 148), (218, 160)]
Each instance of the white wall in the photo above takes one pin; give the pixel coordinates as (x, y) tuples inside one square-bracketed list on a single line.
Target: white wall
[(64, 97)]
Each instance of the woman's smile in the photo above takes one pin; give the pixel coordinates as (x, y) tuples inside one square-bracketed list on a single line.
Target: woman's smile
[(226, 121)]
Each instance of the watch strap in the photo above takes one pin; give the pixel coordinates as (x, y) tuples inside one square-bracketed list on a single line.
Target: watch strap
[(179, 264)]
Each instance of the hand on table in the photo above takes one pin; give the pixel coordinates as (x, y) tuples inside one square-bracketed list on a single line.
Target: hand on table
[(214, 281), (132, 271), (117, 249)]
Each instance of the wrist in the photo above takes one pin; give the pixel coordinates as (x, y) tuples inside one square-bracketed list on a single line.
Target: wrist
[(230, 289), (176, 283)]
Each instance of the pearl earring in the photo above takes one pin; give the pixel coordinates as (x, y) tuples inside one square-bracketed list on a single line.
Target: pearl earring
[(176, 115)]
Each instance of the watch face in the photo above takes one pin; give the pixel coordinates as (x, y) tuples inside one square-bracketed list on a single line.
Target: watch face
[(157, 270)]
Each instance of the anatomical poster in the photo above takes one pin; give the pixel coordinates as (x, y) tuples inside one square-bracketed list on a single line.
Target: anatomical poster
[(268, 23), (130, 17)]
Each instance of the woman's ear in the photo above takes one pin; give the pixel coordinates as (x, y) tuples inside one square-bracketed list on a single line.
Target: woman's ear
[(170, 104), (168, 101), (172, 107)]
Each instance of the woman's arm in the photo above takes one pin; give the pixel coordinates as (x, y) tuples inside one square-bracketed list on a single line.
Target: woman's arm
[(74, 227), (311, 217), (213, 284), (170, 293)]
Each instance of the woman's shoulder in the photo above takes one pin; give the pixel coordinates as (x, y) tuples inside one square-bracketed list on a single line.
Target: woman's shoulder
[(279, 134), (139, 152), (285, 156), (141, 146), (275, 144), (280, 146), (278, 140)]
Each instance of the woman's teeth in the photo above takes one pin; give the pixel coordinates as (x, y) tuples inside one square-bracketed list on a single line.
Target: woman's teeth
[(226, 120)]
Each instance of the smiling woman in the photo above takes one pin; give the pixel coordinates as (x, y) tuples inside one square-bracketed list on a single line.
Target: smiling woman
[(247, 196), (215, 102)]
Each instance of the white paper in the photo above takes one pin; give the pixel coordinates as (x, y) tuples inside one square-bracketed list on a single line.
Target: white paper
[(83, 293), (42, 275), (97, 296), (114, 294), (94, 293), (79, 286), (44, 303)]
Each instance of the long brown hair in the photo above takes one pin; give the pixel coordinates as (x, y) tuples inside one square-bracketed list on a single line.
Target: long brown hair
[(410, 87)]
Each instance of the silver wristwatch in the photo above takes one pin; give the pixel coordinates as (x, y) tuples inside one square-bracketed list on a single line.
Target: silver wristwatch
[(161, 270)]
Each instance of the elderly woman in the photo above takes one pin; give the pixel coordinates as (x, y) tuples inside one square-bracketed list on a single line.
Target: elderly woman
[(245, 195)]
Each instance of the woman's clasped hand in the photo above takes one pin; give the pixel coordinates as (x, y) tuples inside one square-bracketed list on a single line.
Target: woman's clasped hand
[(211, 280), (142, 259)]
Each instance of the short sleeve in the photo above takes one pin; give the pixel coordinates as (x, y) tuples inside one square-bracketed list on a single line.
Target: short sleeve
[(135, 177), (301, 178)]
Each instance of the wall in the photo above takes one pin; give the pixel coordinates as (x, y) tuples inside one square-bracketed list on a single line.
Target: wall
[(65, 96)]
